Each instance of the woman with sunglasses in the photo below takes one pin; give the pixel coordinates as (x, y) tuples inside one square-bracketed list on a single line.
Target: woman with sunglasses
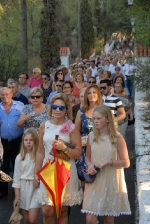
[(91, 81), (67, 88), (58, 76), (46, 86), (35, 113), (84, 122), (60, 108)]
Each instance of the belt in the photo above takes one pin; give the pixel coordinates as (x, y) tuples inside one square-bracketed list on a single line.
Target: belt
[(11, 140)]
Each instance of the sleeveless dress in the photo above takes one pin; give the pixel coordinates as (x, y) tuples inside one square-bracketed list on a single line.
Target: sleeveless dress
[(72, 194), (87, 125), (107, 195)]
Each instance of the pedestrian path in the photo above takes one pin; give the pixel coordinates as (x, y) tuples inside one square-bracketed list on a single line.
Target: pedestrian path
[(6, 204)]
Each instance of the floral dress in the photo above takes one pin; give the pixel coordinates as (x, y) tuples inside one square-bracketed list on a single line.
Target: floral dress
[(87, 125)]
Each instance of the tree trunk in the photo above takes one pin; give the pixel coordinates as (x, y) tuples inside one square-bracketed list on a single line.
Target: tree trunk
[(24, 34)]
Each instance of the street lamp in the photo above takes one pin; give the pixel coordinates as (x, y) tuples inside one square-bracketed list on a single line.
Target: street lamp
[(133, 21), (130, 2)]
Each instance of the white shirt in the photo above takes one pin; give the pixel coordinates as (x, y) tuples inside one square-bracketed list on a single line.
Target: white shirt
[(129, 67), (94, 71)]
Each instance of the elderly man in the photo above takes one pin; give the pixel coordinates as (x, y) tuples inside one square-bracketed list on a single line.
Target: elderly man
[(17, 96), (23, 87), (36, 79), (10, 133)]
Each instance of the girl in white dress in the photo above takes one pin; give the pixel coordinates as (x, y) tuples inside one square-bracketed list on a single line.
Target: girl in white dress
[(106, 149), (60, 108), (25, 186)]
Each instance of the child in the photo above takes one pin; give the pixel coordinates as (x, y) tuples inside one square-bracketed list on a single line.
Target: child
[(106, 149), (24, 184)]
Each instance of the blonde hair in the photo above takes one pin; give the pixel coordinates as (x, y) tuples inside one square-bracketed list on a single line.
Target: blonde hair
[(33, 132), (83, 90), (66, 100), (112, 127), (79, 73), (35, 90), (86, 101)]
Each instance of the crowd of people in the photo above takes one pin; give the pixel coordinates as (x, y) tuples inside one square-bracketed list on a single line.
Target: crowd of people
[(95, 96)]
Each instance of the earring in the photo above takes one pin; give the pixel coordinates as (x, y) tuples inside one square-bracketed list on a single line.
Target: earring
[(66, 117), (52, 117)]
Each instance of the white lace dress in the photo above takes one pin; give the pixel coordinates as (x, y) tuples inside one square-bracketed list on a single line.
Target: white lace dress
[(72, 194), (107, 195)]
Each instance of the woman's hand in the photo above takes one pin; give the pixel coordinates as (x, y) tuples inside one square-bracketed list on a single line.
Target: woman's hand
[(103, 163), (91, 170), (27, 117), (16, 202), (59, 144), (131, 117), (36, 183)]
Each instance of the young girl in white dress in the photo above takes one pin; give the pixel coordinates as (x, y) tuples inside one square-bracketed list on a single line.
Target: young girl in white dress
[(25, 186), (106, 149)]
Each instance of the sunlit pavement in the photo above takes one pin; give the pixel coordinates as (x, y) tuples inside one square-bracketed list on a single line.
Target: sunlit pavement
[(6, 204)]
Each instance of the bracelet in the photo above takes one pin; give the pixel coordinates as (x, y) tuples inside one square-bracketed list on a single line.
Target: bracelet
[(111, 164), (66, 150), (17, 198)]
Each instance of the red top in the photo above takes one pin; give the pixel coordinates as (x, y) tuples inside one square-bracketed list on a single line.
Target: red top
[(35, 82), (76, 90)]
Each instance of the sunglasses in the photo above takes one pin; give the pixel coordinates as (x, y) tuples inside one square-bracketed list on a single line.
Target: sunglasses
[(60, 73), (44, 78), (59, 85), (35, 97), (103, 87), (61, 108), (91, 82), (22, 78), (87, 64)]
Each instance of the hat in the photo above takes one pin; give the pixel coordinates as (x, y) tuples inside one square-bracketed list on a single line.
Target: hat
[(15, 216)]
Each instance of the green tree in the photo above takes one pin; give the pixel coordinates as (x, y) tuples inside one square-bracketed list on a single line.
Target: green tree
[(87, 30), (141, 11), (49, 37)]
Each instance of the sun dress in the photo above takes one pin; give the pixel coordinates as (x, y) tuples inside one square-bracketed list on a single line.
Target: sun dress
[(36, 119), (23, 179), (73, 194), (107, 195), (87, 125)]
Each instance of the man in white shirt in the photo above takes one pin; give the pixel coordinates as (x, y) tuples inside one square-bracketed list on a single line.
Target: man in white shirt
[(129, 70), (115, 64), (93, 68)]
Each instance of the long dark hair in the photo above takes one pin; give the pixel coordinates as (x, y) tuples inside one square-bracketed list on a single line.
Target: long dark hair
[(115, 80)]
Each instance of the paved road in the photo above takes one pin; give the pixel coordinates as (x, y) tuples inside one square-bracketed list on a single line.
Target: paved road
[(76, 217)]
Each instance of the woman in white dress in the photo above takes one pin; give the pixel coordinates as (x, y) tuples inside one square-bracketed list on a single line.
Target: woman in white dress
[(106, 150), (60, 108)]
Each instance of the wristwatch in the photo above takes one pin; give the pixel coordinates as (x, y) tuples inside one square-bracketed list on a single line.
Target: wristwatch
[(66, 150)]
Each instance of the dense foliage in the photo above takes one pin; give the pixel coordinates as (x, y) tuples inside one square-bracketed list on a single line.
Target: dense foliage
[(87, 31), (49, 37), (45, 38)]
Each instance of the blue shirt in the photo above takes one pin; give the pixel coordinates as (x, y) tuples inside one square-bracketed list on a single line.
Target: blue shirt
[(50, 96), (8, 122), (67, 77)]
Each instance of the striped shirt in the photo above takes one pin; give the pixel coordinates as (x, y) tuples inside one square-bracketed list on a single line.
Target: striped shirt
[(113, 103)]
